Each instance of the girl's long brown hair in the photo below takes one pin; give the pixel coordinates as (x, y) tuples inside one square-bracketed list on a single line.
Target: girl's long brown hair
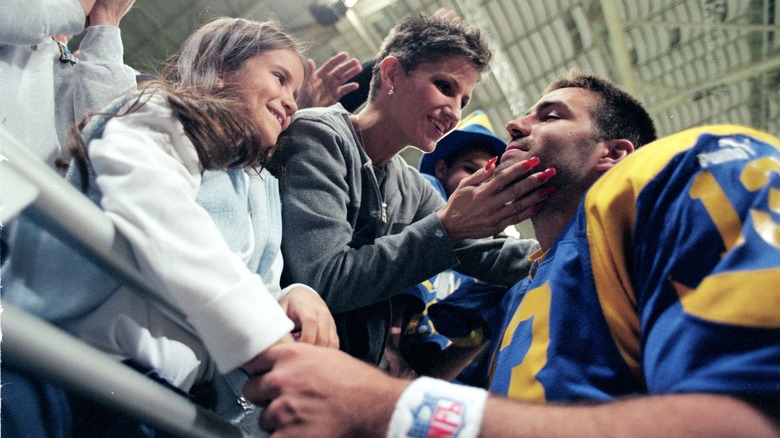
[(214, 118)]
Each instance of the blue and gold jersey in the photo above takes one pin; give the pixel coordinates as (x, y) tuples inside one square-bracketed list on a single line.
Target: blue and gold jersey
[(417, 326), (666, 281)]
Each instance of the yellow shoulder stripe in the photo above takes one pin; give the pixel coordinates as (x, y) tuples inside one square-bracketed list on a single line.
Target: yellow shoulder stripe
[(723, 298)]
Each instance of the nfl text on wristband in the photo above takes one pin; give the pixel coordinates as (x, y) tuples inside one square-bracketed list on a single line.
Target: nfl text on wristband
[(432, 407)]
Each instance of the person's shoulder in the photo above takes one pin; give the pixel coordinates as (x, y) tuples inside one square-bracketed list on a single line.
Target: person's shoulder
[(699, 138), (145, 106), (139, 98), (333, 116), (318, 126), (694, 149), (320, 134)]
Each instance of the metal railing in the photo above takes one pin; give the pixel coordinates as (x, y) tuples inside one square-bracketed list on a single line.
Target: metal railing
[(31, 189)]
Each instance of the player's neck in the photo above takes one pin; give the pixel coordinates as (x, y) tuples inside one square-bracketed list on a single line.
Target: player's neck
[(550, 222)]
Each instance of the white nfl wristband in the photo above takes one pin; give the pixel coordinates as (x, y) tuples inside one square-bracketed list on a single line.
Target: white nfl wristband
[(435, 408)]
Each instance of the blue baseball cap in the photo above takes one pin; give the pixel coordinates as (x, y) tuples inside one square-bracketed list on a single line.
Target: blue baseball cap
[(474, 129)]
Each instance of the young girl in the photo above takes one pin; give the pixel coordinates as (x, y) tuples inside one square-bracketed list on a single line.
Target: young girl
[(178, 168)]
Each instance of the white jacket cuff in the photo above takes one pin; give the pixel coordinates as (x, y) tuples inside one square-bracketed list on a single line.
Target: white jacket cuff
[(240, 324)]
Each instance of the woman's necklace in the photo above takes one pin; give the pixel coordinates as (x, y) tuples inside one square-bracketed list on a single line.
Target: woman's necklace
[(364, 144)]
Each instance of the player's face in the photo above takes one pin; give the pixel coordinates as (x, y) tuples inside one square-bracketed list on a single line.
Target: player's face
[(560, 131), (462, 167), (268, 84)]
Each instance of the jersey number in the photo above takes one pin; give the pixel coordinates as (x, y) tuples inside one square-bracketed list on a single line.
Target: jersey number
[(535, 307), (755, 175)]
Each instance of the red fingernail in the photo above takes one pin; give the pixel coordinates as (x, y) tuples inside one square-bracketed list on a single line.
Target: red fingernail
[(547, 174), (546, 191), (491, 162), (530, 163)]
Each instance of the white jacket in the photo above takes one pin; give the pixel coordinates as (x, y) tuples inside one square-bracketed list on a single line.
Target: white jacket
[(203, 242)]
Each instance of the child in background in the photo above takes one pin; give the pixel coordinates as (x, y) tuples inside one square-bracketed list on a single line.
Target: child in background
[(458, 155)]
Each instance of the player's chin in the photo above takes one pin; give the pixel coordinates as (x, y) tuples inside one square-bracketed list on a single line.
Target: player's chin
[(512, 156)]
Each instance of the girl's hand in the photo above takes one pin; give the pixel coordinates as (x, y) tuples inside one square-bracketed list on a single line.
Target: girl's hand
[(311, 317)]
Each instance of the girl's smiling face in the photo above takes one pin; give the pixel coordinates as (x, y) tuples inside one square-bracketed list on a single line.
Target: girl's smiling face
[(268, 85)]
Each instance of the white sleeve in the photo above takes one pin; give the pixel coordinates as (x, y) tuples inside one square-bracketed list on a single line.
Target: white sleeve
[(28, 22), (149, 174)]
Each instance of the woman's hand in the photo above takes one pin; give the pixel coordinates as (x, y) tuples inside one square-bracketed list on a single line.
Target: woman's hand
[(488, 201), (311, 317)]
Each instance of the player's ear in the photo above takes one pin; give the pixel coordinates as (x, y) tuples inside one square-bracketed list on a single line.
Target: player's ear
[(614, 151)]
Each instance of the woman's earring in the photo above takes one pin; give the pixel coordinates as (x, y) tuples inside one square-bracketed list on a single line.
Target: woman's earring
[(390, 92)]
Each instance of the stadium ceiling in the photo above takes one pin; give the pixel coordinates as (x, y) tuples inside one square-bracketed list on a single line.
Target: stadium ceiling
[(691, 62)]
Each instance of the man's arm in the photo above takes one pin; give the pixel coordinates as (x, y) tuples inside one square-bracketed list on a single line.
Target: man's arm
[(669, 415), (314, 391)]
